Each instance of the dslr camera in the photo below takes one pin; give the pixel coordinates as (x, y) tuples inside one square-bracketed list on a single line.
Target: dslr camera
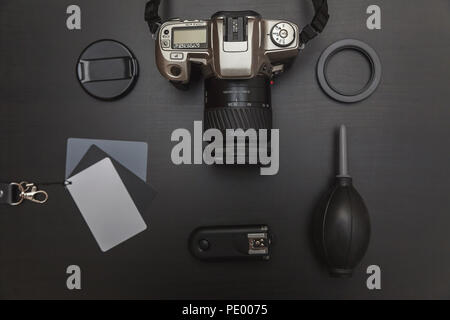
[(238, 52)]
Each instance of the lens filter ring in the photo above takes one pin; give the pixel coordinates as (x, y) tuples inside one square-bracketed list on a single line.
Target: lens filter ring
[(375, 67)]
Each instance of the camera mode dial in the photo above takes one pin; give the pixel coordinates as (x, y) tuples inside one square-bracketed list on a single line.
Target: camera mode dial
[(282, 34)]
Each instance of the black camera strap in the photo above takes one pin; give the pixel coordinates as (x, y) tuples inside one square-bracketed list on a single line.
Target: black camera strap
[(309, 32), (152, 16), (318, 23)]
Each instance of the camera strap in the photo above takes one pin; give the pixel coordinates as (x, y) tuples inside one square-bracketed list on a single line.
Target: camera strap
[(152, 16), (308, 33), (317, 24)]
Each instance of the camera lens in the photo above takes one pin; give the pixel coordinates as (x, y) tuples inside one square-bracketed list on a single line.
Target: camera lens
[(238, 104)]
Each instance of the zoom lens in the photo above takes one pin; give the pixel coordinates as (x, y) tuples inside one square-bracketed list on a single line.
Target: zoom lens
[(238, 104)]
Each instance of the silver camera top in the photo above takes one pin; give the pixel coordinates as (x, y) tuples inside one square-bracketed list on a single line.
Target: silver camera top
[(231, 45)]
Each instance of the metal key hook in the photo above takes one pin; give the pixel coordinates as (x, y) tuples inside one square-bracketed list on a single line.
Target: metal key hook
[(35, 195), (30, 192)]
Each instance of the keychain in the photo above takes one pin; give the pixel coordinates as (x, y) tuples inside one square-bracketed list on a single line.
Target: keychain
[(15, 193), (29, 191)]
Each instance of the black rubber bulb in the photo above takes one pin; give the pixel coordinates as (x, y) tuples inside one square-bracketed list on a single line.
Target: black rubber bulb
[(341, 222)]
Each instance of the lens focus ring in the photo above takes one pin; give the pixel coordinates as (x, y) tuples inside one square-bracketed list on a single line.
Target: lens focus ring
[(238, 118), (238, 104)]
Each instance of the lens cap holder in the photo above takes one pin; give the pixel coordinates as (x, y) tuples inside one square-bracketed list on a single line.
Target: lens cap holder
[(375, 67), (107, 70)]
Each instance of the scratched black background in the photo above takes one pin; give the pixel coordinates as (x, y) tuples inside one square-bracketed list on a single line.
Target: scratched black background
[(399, 157)]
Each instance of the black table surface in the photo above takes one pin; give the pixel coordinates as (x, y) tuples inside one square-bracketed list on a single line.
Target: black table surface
[(399, 157)]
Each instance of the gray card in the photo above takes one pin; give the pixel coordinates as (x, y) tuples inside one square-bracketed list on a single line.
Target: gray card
[(105, 204), (131, 154)]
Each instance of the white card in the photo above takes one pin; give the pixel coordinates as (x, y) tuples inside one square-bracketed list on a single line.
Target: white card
[(106, 205)]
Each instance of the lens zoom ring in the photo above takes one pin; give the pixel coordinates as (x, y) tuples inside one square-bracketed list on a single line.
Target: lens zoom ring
[(238, 118)]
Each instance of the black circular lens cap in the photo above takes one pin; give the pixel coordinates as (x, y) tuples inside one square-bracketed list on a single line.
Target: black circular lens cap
[(107, 69)]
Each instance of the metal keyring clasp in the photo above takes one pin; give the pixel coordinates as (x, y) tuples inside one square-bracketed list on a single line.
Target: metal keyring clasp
[(34, 193), (30, 192)]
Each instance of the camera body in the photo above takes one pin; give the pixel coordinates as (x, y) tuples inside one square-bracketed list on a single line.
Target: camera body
[(238, 53), (231, 45)]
